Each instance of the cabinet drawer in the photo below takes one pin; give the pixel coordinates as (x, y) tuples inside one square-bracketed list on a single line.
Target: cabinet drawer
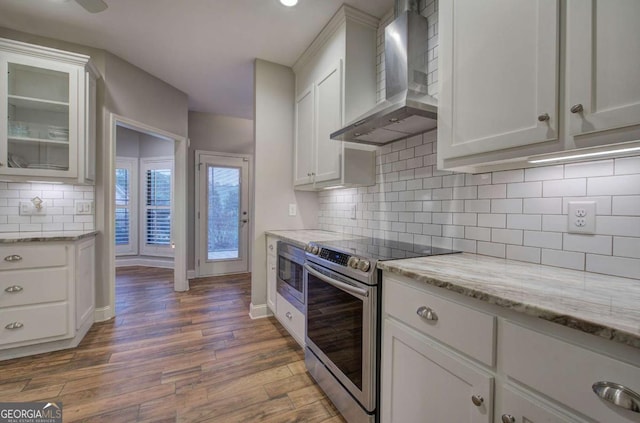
[(32, 256), (291, 319), (468, 330), (33, 286), (566, 372), (38, 322)]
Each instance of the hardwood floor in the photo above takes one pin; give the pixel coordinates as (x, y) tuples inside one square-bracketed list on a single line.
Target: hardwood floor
[(175, 357)]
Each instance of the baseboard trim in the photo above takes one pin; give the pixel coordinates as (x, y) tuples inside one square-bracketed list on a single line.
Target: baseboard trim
[(103, 314), (191, 274), (259, 312), (148, 262)]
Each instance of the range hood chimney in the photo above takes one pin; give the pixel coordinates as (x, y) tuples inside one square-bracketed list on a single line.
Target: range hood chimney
[(408, 110)]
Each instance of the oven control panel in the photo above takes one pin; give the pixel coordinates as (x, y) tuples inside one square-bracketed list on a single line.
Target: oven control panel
[(334, 256)]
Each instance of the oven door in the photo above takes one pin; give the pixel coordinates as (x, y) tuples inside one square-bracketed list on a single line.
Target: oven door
[(340, 329), (290, 283)]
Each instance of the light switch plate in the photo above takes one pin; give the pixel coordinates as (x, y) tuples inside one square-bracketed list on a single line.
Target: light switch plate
[(28, 209), (292, 209), (84, 206), (582, 217)]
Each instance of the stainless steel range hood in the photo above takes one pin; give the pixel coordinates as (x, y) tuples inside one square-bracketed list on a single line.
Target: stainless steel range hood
[(408, 110)]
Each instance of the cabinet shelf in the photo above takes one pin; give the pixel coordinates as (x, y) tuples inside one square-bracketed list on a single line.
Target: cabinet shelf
[(38, 141), (38, 104)]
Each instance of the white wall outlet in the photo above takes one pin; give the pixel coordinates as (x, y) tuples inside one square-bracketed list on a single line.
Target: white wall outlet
[(84, 206), (352, 211), (27, 208), (293, 210), (582, 217)]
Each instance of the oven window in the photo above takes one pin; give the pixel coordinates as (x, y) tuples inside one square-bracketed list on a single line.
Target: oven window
[(334, 324), (290, 273)]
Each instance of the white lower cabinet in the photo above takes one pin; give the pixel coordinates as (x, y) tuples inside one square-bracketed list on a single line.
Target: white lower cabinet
[(422, 383), (272, 275), (542, 372), (291, 318), (47, 295)]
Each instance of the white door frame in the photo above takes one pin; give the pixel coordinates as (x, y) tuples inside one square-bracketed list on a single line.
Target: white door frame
[(249, 158), (179, 215)]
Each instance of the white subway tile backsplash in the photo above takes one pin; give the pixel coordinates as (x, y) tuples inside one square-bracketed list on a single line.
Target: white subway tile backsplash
[(586, 169), (524, 221), (524, 189), (508, 176), (542, 205), (603, 204), (492, 191), (529, 254), (611, 265), (627, 165), (544, 173), (492, 220), (491, 249), (479, 234), (626, 205), (597, 244), (506, 206), (477, 206), (566, 259), (557, 223), (543, 239), (618, 225), (626, 247), (465, 219), (506, 236), (614, 185)]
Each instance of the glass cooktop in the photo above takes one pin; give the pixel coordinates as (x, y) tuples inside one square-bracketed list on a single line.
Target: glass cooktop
[(383, 249)]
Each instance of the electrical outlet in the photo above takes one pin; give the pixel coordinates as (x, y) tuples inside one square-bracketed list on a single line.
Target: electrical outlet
[(582, 217), (84, 206), (292, 209), (27, 208)]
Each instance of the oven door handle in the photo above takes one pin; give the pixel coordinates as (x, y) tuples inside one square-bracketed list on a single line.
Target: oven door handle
[(340, 285)]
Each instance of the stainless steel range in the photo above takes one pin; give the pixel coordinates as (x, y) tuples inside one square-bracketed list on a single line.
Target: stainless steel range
[(343, 291)]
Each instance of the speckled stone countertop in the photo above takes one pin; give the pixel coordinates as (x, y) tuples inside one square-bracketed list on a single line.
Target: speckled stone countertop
[(14, 237), (302, 237), (606, 306)]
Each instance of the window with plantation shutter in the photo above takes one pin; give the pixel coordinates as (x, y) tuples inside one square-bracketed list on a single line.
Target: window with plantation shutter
[(157, 183), (126, 201)]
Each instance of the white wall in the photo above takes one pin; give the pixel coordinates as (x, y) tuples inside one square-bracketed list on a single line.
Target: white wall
[(221, 134), (274, 113)]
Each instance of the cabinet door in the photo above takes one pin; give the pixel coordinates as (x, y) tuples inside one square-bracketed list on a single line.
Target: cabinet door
[(40, 99), (421, 383), (90, 130), (603, 64), (85, 282), (517, 408), (328, 119), (499, 75), (303, 165)]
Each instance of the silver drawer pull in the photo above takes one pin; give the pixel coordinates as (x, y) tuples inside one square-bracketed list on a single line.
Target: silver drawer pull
[(289, 315), (477, 400), (544, 117), (426, 313), (13, 289), (577, 108), (508, 418), (13, 257), (14, 325), (618, 394)]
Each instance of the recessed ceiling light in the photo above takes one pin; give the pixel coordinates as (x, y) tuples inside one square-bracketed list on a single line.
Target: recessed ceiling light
[(289, 3)]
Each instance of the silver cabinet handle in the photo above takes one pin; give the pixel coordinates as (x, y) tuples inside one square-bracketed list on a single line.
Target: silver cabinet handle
[(477, 400), (271, 247), (618, 395), (13, 257), (289, 315), (508, 418), (426, 313), (544, 117), (577, 108), (14, 325), (13, 289)]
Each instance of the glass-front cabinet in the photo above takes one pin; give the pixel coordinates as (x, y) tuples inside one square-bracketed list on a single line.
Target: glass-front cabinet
[(48, 97)]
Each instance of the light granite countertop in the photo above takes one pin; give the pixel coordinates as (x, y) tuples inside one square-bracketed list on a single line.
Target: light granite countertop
[(301, 237), (606, 306), (15, 237)]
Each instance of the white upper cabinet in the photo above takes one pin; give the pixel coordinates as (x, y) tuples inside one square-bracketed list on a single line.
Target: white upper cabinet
[(531, 78), (48, 97), (603, 69), (499, 66), (335, 83)]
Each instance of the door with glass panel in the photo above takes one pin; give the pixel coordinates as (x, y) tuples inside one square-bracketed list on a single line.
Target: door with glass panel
[(156, 206), (222, 228), (126, 206), (41, 106)]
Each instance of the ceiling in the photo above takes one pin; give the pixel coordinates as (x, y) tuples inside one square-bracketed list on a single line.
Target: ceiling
[(205, 48)]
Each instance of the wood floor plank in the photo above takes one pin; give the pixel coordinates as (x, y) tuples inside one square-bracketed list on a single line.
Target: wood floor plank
[(169, 356)]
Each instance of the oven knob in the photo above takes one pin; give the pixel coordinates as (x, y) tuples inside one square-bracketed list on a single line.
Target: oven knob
[(315, 250), (353, 262), (364, 265)]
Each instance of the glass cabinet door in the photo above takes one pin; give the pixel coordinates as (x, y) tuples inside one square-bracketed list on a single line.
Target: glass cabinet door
[(40, 109)]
